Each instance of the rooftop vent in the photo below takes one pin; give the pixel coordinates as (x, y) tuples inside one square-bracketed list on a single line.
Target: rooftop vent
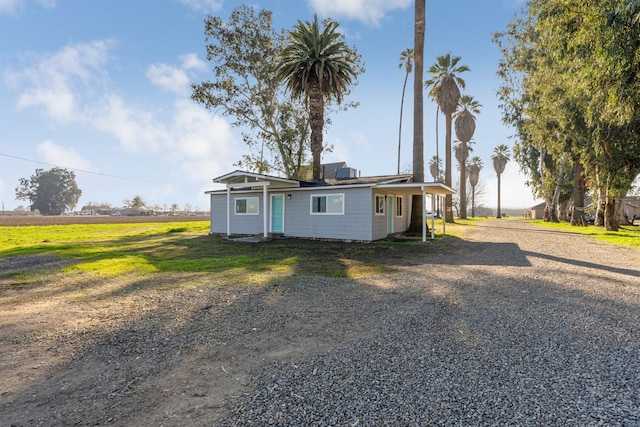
[(346, 173)]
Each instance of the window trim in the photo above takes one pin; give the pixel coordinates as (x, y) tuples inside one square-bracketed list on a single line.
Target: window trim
[(247, 198), (327, 195), (377, 205), (400, 208)]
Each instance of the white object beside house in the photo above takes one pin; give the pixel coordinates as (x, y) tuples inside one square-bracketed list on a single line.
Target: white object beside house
[(344, 208)]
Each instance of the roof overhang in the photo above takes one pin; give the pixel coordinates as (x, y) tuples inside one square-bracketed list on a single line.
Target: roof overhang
[(242, 179)]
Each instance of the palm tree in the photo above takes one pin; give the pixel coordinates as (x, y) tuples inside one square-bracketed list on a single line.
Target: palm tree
[(318, 66), (406, 61), (465, 126), (435, 168), (445, 90), (474, 176), (418, 112), (500, 158)]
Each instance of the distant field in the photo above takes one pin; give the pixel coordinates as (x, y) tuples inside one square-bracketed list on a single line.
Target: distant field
[(17, 220)]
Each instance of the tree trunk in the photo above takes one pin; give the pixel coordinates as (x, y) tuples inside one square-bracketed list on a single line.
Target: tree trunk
[(473, 201), (448, 204), (577, 214), (418, 113), (602, 201), (404, 87), (610, 223), (316, 123), (619, 215), (463, 183), (499, 212)]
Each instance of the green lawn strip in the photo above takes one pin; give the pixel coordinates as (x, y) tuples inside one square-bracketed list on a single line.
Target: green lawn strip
[(625, 236), (151, 248)]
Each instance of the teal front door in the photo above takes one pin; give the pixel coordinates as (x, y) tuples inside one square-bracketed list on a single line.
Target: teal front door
[(277, 213)]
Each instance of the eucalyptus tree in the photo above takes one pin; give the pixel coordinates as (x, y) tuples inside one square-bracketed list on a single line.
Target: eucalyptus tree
[(465, 127), (318, 67), (406, 61), (245, 88), (445, 85), (546, 51), (500, 157), (475, 166)]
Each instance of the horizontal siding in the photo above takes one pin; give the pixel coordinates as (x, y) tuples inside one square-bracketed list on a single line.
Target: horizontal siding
[(358, 222), (355, 224), (240, 224)]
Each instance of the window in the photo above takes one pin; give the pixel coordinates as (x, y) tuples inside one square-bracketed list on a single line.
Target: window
[(327, 204), (247, 206), (379, 205), (399, 206)]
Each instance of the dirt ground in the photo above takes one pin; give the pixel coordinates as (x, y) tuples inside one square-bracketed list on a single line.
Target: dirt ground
[(173, 350)]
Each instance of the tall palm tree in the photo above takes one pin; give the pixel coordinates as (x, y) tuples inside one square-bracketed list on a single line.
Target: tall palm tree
[(418, 112), (500, 157), (317, 65), (445, 90), (475, 166), (406, 61), (465, 126)]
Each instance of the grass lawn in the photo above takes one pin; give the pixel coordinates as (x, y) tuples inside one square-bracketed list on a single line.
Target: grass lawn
[(627, 235), (108, 250)]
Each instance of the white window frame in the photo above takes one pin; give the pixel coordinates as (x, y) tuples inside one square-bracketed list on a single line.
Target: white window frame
[(246, 199), (379, 208), (312, 197), (400, 211)]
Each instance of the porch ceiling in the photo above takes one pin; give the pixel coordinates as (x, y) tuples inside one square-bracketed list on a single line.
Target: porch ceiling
[(415, 188)]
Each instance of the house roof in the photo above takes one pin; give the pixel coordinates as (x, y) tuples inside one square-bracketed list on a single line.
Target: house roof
[(369, 180), (395, 184)]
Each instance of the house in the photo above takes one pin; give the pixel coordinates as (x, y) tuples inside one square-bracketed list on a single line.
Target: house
[(346, 207), (537, 211), (631, 207)]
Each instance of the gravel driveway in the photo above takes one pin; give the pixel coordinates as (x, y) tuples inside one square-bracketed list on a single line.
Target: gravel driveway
[(512, 324)]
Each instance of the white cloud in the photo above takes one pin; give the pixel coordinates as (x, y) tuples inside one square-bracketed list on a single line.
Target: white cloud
[(204, 145), (190, 61), (205, 6), (168, 78), (63, 156), (11, 7), (136, 129), (55, 81), (368, 11)]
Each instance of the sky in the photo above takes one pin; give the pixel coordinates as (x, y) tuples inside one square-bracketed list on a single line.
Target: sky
[(102, 88)]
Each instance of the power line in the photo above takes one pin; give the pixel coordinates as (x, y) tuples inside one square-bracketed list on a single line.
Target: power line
[(78, 170)]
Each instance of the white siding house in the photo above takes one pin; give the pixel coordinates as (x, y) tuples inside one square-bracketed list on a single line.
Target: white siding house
[(351, 208)]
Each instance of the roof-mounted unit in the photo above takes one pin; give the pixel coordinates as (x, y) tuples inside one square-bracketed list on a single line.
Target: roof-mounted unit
[(346, 173)]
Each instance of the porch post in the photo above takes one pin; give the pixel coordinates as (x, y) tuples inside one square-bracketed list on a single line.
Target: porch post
[(264, 214), (228, 211), (424, 214), (444, 227), (433, 214)]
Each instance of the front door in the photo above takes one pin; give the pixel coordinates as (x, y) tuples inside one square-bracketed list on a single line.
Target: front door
[(277, 213)]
